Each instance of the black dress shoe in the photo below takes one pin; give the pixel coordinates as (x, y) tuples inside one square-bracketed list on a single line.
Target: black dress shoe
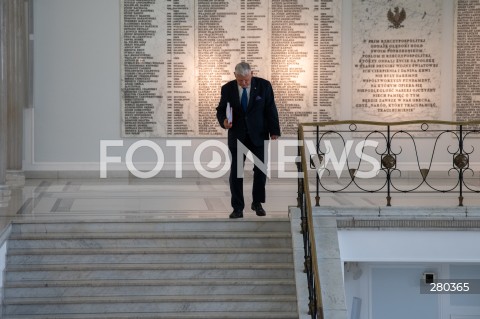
[(257, 207), (236, 214)]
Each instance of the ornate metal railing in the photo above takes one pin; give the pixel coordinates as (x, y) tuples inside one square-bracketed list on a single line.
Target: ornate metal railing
[(384, 158), (315, 305)]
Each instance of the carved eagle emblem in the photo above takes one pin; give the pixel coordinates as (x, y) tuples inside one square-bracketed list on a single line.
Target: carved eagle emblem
[(396, 17)]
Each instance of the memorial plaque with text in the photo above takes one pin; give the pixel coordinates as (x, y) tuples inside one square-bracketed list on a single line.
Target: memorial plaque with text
[(467, 55), (396, 60), (176, 54)]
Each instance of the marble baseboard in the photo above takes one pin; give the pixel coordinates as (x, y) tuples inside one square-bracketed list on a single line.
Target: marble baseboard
[(187, 173)]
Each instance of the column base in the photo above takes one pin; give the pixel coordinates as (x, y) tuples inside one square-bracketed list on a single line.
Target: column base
[(15, 178), (5, 195)]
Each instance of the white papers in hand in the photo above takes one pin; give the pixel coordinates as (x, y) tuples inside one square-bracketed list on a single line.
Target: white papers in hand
[(229, 113)]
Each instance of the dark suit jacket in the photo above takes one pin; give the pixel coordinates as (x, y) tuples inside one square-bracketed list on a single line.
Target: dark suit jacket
[(261, 119)]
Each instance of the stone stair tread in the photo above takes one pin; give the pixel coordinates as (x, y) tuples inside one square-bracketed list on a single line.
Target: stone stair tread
[(177, 315), (150, 225), (108, 266), (143, 220), (147, 235), (150, 299), (146, 250), (157, 282)]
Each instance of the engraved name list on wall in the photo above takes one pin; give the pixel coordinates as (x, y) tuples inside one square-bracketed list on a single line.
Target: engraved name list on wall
[(176, 54), (467, 54)]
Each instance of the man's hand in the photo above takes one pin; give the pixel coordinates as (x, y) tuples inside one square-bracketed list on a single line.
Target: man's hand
[(274, 137), (226, 124)]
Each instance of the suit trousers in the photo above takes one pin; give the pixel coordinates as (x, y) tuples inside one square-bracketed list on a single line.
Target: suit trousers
[(236, 177)]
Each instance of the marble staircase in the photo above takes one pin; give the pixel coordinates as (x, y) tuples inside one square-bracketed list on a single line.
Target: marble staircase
[(150, 269)]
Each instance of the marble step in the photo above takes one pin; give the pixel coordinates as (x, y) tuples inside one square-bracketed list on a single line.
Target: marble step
[(147, 255), (200, 235), (175, 315), (149, 271), (139, 304), (267, 225), (169, 239), (92, 288)]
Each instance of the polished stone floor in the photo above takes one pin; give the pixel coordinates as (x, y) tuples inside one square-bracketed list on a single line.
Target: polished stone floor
[(190, 197), (134, 198)]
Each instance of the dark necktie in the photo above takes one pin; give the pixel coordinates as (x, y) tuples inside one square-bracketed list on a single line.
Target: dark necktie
[(244, 100)]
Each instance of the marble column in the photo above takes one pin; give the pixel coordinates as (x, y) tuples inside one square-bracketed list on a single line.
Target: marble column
[(4, 190), (17, 88), (13, 93)]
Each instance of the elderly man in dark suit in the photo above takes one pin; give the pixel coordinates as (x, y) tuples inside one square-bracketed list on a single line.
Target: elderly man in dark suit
[(254, 120)]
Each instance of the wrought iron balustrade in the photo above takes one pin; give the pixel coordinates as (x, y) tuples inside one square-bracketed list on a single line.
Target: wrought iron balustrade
[(386, 158), (401, 157)]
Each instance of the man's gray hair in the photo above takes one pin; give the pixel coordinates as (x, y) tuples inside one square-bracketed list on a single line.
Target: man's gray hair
[(242, 69)]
